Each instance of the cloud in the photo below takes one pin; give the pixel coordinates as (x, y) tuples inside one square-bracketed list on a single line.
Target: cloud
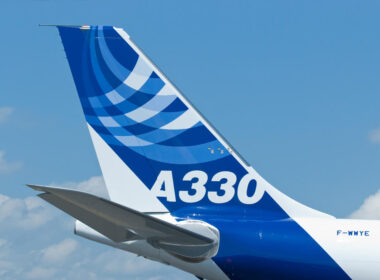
[(7, 167), (5, 266), (59, 252), (40, 273), (2, 242), (95, 185), (28, 213), (33, 212), (125, 264), (370, 209), (36, 243), (5, 113), (374, 136)]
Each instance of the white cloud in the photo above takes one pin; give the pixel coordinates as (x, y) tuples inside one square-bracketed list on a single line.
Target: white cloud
[(40, 273), (5, 112), (5, 266), (2, 242), (59, 252), (119, 262), (370, 209), (4, 248), (28, 213), (7, 167), (3, 198), (29, 226), (95, 185), (33, 212), (374, 135)]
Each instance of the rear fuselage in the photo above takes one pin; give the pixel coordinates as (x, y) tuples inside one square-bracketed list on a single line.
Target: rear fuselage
[(271, 249)]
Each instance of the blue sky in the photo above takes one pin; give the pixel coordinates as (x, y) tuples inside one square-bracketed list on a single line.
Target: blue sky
[(293, 85)]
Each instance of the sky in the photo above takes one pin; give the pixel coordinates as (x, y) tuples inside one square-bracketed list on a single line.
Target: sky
[(293, 85)]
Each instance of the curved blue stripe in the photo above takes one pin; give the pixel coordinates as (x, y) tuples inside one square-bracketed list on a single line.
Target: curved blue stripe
[(160, 135), (119, 131), (139, 128), (124, 121), (87, 109), (89, 85), (119, 51), (175, 106), (140, 98), (159, 102), (119, 89), (112, 79), (181, 155), (114, 72), (100, 101), (116, 112), (101, 130), (111, 140), (113, 111), (114, 95), (193, 136), (103, 83), (162, 119), (94, 102), (113, 64), (153, 85), (94, 121), (126, 106), (123, 91)]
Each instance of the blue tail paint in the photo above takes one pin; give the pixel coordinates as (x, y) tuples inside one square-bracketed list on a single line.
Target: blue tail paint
[(184, 162)]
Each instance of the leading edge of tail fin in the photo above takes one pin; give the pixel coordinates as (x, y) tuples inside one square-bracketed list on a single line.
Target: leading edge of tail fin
[(156, 151)]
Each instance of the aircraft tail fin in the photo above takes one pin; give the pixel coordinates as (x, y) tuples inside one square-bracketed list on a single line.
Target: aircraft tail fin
[(156, 151)]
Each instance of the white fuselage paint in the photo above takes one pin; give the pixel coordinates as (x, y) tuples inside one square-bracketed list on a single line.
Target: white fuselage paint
[(353, 244)]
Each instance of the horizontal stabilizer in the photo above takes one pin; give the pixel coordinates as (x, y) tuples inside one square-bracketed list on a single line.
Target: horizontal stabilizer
[(120, 223)]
